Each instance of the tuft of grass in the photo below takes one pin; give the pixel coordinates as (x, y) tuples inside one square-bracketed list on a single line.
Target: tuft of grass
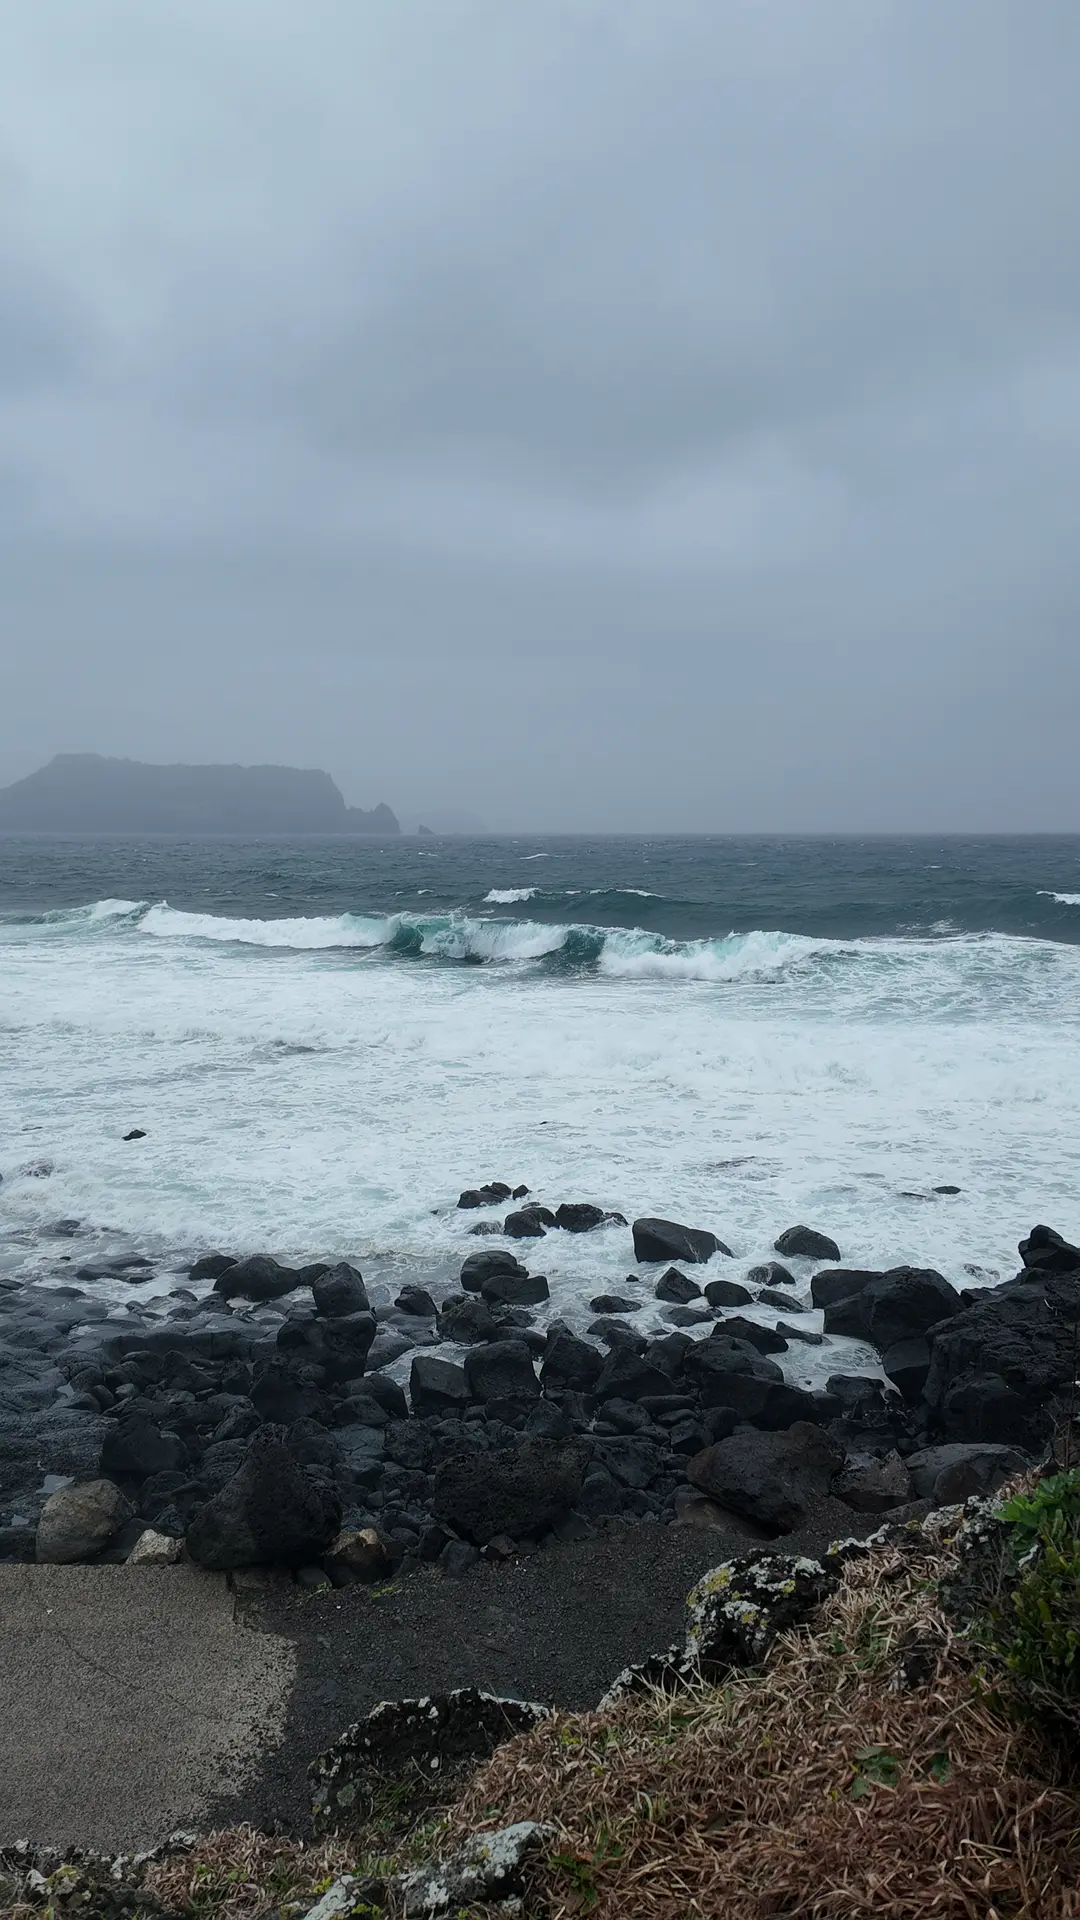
[(832, 1785)]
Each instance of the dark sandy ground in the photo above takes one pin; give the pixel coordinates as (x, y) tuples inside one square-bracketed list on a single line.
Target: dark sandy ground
[(556, 1628), (140, 1700)]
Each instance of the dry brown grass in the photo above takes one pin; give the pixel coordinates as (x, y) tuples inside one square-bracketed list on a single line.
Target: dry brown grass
[(828, 1787), (240, 1874)]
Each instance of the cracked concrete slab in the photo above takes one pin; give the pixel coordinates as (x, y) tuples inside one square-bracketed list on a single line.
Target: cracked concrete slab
[(132, 1699)]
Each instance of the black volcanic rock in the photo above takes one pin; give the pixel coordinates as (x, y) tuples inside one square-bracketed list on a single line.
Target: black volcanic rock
[(666, 1240), (86, 793)]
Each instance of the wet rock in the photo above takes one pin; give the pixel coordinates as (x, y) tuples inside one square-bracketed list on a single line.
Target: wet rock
[(656, 1240), (614, 1303), (783, 1302), (269, 1513), (771, 1274), (479, 1267), (515, 1290), (502, 1370), (727, 1293), (517, 1490), (579, 1217), (768, 1477), (841, 1283), (417, 1301), (437, 1386), (617, 1335), (675, 1286), (211, 1266), (955, 1471), (765, 1339), (807, 1244), (137, 1448), (491, 1195), (77, 1522), (528, 1223), (257, 1278)]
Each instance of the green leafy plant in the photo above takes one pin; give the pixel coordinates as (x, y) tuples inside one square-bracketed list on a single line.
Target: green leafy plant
[(1035, 1621)]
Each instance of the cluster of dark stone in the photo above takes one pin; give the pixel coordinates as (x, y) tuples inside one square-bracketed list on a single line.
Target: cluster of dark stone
[(263, 1433)]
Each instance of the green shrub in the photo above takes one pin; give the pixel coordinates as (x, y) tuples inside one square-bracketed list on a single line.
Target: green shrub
[(1035, 1619)]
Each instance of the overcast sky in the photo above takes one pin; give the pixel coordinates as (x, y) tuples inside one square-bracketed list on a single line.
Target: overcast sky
[(587, 413)]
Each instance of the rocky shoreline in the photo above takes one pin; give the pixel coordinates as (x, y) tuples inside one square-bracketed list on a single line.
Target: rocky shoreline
[(260, 1424)]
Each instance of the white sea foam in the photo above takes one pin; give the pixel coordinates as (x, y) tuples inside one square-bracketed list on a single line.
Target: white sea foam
[(1063, 899), (297, 1101), (509, 896)]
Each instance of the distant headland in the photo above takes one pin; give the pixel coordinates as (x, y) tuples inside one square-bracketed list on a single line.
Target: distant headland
[(87, 793)]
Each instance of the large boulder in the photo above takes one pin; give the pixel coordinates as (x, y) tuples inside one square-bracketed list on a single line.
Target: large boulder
[(479, 1267), (437, 1386), (731, 1373), (257, 1278), (807, 1244), (269, 1513), (950, 1474), (402, 1744), (516, 1491), (502, 1370), (1045, 1251), (579, 1216), (490, 1195), (840, 1283), (1021, 1334), (874, 1483), (515, 1290), (735, 1612), (528, 1223), (727, 1293), (904, 1304), (76, 1522), (340, 1291), (656, 1240), (769, 1478), (677, 1287)]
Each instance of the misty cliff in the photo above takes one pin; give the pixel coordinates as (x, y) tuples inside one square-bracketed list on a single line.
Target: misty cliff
[(85, 793)]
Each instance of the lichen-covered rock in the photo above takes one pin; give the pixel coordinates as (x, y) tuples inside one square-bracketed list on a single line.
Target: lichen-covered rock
[(733, 1616), (488, 1867), (736, 1611), (417, 1741)]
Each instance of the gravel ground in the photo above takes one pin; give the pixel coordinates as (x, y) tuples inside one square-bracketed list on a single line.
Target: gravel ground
[(556, 1627)]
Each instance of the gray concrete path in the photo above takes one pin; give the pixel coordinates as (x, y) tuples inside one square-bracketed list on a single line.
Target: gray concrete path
[(130, 1699)]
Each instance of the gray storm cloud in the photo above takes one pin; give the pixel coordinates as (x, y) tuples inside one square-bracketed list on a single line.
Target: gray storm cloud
[(587, 413)]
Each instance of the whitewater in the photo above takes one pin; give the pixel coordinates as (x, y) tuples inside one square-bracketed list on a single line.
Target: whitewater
[(324, 1083)]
